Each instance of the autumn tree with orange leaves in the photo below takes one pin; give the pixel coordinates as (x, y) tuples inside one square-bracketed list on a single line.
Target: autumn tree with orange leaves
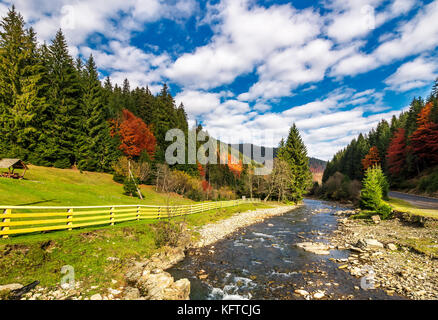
[(371, 159), (424, 140), (397, 152), (135, 136)]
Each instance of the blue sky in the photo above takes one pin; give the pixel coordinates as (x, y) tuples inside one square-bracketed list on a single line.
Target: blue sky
[(248, 69)]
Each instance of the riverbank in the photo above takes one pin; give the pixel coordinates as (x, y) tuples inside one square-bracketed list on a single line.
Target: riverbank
[(211, 233), (400, 254)]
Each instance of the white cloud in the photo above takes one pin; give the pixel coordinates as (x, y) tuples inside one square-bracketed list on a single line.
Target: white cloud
[(350, 20), (416, 36), (197, 102), (243, 39), (413, 74), (114, 19)]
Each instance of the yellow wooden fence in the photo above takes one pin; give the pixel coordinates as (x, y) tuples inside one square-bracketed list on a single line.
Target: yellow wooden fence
[(21, 220)]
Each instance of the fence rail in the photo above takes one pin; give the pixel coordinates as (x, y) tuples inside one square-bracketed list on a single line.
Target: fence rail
[(21, 220)]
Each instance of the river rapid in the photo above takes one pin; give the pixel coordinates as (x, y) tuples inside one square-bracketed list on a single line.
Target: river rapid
[(262, 262)]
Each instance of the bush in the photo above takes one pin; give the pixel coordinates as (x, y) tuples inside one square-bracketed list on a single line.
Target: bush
[(339, 187), (385, 211), (167, 233), (429, 183), (119, 178)]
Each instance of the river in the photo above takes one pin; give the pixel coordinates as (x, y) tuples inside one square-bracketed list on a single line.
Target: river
[(261, 262)]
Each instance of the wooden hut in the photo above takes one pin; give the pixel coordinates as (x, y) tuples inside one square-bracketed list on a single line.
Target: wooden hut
[(11, 165)]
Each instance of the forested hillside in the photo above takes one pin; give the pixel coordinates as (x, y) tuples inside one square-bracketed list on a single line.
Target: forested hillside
[(55, 112), (406, 148)]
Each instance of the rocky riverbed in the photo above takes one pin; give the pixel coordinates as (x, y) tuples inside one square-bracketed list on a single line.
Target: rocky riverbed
[(398, 254), (212, 233)]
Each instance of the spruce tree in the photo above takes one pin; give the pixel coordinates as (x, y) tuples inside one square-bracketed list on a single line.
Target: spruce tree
[(97, 148), (294, 153), (21, 87), (62, 137)]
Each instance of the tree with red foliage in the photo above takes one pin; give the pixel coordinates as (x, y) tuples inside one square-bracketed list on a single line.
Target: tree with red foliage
[(201, 170), (371, 159), (206, 186), (135, 136), (397, 152), (424, 140)]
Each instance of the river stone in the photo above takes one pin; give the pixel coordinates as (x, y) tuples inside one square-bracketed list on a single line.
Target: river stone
[(318, 295), (303, 293), (96, 297), (10, 287), (316, 248), (391, 247), (131, 293), (369, 243), (180, 290), (376, 219)]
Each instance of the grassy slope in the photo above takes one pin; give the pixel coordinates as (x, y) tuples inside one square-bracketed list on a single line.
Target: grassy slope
[(58, 187), (403, 206), (25, 259)]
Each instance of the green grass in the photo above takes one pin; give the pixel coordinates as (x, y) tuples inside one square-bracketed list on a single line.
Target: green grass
[(425, 246), (63, 187), (40, 256), (404, 206)]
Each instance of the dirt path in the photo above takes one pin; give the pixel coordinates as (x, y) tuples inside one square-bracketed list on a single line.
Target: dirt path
[(418, 201)]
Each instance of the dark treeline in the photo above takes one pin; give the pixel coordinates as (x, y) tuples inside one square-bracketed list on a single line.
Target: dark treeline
[(404, 148), (54, 110)]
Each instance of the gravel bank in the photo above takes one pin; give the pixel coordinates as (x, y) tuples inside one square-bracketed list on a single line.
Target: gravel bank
[(212, 233), (394, 255)]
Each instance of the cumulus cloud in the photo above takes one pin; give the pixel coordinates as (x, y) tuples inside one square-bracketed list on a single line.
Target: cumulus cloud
[(114, 19), (414, 74), (243, 39), (416, 36)]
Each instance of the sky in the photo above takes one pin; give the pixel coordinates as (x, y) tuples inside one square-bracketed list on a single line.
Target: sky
[(247, 70)]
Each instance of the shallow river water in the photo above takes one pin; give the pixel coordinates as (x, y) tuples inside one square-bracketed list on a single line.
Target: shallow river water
[(262, 261)]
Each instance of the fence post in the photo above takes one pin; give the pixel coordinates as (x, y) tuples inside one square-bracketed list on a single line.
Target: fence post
[(159, 213), (138, 213), (6, 220), (112, 216), (70, 218)]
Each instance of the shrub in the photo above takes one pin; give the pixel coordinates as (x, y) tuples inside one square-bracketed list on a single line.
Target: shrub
[(429, 183), (385, 211), (118, 178), (167, 233)]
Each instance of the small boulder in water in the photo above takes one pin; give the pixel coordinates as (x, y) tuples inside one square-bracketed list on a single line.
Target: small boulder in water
[(316, 248), (302, 293)]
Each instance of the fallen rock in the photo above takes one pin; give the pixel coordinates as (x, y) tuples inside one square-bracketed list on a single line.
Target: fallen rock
[(391, 247)]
